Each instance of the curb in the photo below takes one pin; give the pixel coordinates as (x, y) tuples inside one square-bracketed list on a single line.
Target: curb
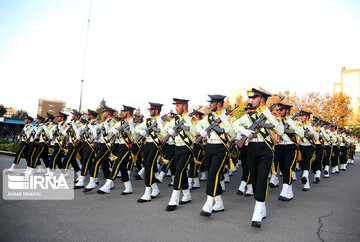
[(2, 152)]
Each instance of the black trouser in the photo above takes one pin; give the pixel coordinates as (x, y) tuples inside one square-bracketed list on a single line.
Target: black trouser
[(260, 159), (246, 176), (41, 152), (31, 154), (343, 156), (102, 158), (327, 155), (193, 171), (276, 160), (286, 155), (138, 153), (70, 157), (120, 163), (307, 153), (319, 156), (351, 152), (215, 160), (56, 157), (88, 156), (169, 154), (151, 153), (23, 150), (335, 158), (182, 158)]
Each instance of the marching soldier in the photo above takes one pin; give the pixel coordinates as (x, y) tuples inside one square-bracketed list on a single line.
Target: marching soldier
[(328, 148), (336, 149), (343, 149), (34, 144), (246, 176), (319, 149), (260, 149), (287, 148), (307, 149), (125, 151), (60, 142), (102, 157), (151, 129), (216, 152), (89, 147), (184, 153), (44, 141), (24, 143)]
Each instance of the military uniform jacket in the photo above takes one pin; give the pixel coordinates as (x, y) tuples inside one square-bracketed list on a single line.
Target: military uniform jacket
[(179, 137), (144, 126), (311, 131), (298, 129), (26, 132), (104, 129), (115, 130)]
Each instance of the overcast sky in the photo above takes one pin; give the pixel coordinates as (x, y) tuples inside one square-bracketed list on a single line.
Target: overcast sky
[(140, 51)]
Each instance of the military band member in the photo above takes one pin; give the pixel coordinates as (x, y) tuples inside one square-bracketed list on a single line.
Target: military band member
[(336, 149), (245, 184), (343, 149), (260, 150), (60, 143), (216, 152), (307, 149), (102, 157), (286, 150), (319, 149), (328, 148), (89, 147), (34, 144), (184, 138), (44, 141), (24, 143), (125, 151), (151, 150)]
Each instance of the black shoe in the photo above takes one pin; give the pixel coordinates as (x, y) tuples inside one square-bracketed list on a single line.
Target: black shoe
[(303, 180), (284, 199), (101, 192), (155, 196), (306, 189), (170, 208), (326, 172), (88, 189), (205, 214), (194, 188), (248, 195), (239, 193), (317, 180), (78, 187), (143, 201), (227, 182), (337, 172), (137, 177), (126, 193), (256, 224), (170, 185), (182, 202), (216, 211)]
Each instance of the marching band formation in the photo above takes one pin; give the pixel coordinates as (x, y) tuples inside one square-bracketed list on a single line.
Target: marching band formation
[(190, 146)]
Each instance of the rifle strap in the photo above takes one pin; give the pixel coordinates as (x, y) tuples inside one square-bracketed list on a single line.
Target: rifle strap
[(263, 132)]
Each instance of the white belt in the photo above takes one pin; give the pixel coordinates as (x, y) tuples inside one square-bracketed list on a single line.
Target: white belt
[(213, 141), (256, 140), (179, 144), (306, 144), (285, 143)]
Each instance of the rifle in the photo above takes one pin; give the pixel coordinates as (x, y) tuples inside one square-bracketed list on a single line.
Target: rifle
[(256, 124), (306, 134), (152, 127), (180, 125), (125, 127), (214, 126), (286, 126)]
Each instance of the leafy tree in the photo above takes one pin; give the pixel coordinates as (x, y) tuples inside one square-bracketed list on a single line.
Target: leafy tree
[(2, 110), (21, 114), (100, 109)]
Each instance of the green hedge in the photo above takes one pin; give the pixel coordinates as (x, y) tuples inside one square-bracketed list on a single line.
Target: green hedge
[(13, 147), (4, 141)]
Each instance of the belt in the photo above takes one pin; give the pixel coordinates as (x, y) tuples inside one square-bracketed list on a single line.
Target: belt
[(285, 143), (212, 141), (256, 140)]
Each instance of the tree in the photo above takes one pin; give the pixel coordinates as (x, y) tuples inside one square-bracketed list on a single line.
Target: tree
[(21, 114), (2, 110), (100, 109)]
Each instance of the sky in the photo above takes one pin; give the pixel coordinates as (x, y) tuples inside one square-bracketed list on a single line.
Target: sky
[(147, 50)]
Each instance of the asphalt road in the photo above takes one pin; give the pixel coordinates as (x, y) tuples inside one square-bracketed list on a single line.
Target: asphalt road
[(330, 211)]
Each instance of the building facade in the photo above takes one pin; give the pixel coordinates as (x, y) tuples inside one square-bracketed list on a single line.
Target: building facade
[(50, 106)]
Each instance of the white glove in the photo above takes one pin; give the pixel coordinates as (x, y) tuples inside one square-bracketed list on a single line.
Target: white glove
[(310, 128), (247, 132), (203, 133), (159, 121), (268, 114), (142, 132), (171, 131), (51, 137), (238, 137), (224, 117), (187, 118), (322, 129), (131, 122), (290, 122)]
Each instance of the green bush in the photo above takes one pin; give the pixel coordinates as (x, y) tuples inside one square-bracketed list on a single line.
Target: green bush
[(13, 147), (4, 141)]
